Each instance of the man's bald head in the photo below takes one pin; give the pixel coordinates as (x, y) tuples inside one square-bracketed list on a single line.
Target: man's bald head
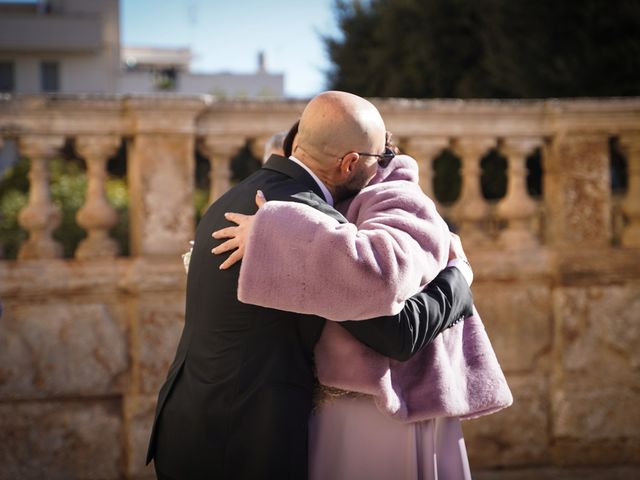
[(334, 123)]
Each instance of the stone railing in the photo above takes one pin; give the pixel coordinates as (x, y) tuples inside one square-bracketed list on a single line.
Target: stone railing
[(85, 342)]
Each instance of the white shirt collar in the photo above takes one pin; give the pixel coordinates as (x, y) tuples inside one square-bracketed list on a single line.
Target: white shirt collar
[(325, 191)]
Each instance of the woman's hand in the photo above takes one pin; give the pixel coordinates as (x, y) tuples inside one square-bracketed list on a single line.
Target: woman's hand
[(237, 236), (455, 248), (458, 259)]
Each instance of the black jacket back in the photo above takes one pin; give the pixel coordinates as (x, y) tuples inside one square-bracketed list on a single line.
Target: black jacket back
[(238, 394)]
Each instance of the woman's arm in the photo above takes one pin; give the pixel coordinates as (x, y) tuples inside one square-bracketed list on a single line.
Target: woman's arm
[(298, 259)]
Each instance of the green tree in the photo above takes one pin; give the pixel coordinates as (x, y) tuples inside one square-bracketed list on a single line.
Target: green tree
[(486, 48)]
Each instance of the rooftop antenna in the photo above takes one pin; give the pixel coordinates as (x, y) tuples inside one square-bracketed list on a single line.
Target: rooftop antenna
[(262, 62)]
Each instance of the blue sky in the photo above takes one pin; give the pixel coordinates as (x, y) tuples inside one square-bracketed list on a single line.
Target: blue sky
[(226, 35)]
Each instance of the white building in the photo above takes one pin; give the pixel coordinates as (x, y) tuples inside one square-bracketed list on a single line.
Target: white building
[(149, 70), (73, 46), (67, 46)]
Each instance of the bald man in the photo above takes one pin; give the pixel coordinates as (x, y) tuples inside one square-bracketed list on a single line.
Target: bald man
[(238, 395)]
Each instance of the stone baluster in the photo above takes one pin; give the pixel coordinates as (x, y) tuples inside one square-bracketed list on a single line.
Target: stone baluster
[(220, 151), (471, 208), (160, 173), (40, 217), (631, 203), (517, 207), (425, 150), (577, 191), (96, 216)]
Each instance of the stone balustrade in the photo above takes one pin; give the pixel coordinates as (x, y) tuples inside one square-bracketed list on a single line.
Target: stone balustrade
[(85, 342), (97, 217), (40, 217)]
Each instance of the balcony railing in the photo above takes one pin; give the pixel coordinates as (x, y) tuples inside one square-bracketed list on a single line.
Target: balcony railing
[(573, 138)]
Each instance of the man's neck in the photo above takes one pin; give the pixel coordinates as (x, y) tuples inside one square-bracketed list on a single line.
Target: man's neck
[(319, 176)]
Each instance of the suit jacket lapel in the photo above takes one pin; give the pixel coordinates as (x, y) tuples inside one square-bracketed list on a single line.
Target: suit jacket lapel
[(316, 199)]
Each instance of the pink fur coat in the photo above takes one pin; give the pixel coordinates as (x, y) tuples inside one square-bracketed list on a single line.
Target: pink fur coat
[(300, 260)]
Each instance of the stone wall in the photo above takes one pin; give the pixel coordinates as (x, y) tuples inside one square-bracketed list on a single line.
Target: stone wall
[(85, 343), (85, 347)]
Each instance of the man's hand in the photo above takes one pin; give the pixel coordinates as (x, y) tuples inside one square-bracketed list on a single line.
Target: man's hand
[(237, 236)]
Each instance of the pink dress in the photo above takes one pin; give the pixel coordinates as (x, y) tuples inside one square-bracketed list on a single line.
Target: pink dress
[(350, 439)]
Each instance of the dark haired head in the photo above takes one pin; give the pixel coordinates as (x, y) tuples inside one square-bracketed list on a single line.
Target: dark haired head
[(287, 145)]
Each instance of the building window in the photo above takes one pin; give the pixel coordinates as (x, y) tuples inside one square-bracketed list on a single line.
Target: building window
[(50, 77), (7, 77), (166, 79)]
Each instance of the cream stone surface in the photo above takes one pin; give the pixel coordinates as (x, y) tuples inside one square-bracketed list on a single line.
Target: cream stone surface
[(579, 190), (85, 343), (518, 435), (587, 412), (599, 331), (532, 473), (425, 150), (59, 349), (161, 182), (139, 412), (61, 440), (596, 454), (40, 217), (597, 374), (97, 216), (517, 207), (220, 151), (470, 209), (631, 203), (518, 320), (161, 320)]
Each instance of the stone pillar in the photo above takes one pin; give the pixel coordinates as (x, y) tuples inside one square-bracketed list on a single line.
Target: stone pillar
[(425, 150), (160, 168), (220, 151), (631, 203), (96, 215), (471, 209), (577, 186), (40, 217), (517, 207)]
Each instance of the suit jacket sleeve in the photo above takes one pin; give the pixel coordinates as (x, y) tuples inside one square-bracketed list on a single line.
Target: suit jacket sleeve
[(445, 301)]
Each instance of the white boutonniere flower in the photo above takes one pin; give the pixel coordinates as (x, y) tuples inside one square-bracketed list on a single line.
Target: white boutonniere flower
[(186, 258)]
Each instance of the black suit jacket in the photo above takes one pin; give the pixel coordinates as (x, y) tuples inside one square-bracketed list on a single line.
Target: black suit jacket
[(238, 395)]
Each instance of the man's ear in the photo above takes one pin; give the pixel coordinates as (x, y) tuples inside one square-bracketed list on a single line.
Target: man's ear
[(348, 163)]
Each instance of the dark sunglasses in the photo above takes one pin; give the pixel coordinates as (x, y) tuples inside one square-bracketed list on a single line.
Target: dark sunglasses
[(383, 158)]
